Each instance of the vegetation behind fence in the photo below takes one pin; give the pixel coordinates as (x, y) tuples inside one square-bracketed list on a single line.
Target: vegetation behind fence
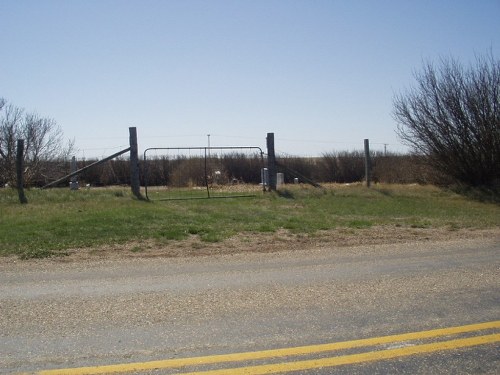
[(336, 167)]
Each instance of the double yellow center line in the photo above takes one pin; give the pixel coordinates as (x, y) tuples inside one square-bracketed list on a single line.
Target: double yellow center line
[(400, 348)]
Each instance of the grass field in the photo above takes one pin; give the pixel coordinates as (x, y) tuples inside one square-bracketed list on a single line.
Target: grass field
[(57, 220)]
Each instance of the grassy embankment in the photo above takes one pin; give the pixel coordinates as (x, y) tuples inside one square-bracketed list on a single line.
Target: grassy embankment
[(57, 220)]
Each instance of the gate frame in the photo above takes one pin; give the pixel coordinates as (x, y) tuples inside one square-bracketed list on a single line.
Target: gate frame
[(206, 156)]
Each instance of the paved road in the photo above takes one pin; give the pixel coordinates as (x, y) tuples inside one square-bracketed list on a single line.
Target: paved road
[(55, 314)]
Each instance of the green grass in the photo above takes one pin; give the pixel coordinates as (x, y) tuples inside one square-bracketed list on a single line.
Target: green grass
[(57, 220)]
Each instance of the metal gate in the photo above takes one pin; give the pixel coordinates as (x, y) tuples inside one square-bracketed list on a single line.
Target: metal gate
[(203, 172)]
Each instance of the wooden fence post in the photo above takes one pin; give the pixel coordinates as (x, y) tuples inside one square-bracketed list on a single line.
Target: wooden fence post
[(19, 170), (135, 182), (73, 185), (367, 163), (271, 161)]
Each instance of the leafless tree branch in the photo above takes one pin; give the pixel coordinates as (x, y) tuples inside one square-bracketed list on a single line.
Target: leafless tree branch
[(453, 117), (43, 138)]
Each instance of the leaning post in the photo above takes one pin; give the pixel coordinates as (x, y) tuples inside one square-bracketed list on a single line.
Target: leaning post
[(271, 161), (135, 183), (367, 163), (19, 171)]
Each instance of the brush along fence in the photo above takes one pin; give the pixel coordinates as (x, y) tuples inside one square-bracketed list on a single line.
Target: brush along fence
[(202, 172)]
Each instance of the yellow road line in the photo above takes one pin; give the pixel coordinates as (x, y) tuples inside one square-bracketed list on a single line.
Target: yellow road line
[(266, 354), (354, 358)]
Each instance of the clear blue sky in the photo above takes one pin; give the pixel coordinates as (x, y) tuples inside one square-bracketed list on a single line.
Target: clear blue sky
[(319, 74)]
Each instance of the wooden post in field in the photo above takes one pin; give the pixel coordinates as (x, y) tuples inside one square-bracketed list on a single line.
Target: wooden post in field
[(135, 182), (73, 185), (19, 171), (367, 163), (271, 161)]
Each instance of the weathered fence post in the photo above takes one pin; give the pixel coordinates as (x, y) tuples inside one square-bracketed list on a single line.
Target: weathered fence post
[(73, 185), (19, 170), (271, 161), (135, 182), (367, 163)]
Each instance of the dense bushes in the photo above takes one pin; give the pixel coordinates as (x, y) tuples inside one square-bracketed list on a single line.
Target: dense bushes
[(349, 167)]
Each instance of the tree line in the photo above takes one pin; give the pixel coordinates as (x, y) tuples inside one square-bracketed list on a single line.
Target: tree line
[(334, 167)]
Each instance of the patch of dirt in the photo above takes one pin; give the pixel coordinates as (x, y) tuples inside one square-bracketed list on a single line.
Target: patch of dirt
[(282, 240)]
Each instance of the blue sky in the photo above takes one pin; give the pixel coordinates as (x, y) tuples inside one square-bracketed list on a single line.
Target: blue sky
[(319, 74)]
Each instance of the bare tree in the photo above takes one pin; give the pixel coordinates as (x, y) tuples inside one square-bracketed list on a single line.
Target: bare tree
[(453, 117), (44, 144), (10, 122)]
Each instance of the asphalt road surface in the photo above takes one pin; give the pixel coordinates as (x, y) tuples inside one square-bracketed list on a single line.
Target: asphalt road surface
[(329, 309)]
